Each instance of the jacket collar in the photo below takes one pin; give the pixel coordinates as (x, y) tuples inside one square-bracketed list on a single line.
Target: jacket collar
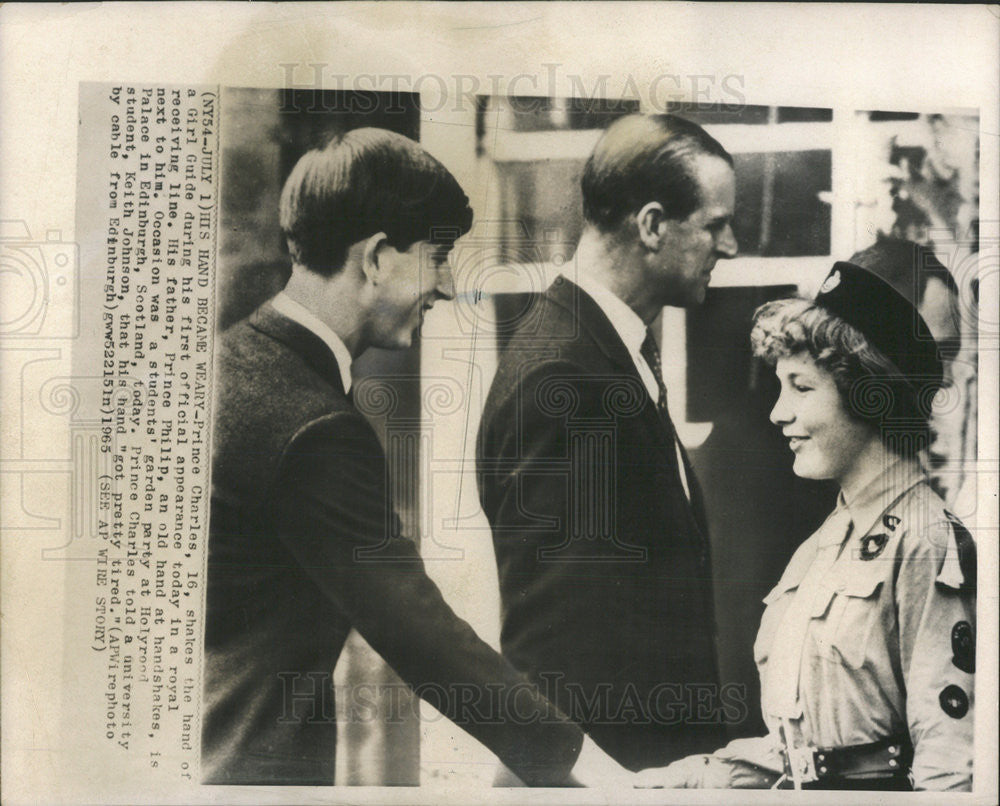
[(297, 312), (300, 340), (569, 296)]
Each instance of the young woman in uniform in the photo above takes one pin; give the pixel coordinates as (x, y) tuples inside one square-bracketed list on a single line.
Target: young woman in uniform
[(866, 649)]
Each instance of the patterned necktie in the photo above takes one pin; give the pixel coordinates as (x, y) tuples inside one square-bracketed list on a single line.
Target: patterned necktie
[(651, 353)]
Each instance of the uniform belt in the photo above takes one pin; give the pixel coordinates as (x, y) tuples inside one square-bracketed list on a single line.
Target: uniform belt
[(884, 758)]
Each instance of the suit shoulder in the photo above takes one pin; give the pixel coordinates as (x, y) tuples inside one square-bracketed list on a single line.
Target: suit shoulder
[(542, 321), (256, 370), (549, 337)]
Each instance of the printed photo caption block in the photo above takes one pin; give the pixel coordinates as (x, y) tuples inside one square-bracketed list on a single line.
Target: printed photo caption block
[(146, 219)]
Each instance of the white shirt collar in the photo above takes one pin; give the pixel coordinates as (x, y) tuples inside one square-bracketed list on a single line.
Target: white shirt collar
[(297, 312), (625, 321)]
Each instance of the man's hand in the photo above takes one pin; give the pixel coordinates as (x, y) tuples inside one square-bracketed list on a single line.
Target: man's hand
[(595, 768), (693, 772), (705, 772)]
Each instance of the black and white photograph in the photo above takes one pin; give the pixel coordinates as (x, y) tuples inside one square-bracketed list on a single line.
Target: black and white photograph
[(562, 403)]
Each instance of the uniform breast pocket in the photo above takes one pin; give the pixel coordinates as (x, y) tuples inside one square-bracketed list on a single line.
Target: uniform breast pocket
[(776, 602), (846, 619)]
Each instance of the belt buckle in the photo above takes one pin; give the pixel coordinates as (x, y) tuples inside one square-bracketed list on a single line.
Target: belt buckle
[(802, 764)]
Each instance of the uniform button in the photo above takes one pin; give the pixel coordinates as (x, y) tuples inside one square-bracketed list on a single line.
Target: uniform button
[(963, 646), (954, 702), (823, 770), (893, 750), (893, 762), (821, 756)]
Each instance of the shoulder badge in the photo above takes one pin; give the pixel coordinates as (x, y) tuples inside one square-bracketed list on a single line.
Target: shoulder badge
[(830, 283), (873, 545), (963, 647), (959, 569)]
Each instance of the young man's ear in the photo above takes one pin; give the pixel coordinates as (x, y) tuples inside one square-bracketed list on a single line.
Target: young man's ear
[(370, 256), (649, 221)]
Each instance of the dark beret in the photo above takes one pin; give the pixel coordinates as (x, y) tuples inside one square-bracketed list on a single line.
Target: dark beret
[(886, 318)]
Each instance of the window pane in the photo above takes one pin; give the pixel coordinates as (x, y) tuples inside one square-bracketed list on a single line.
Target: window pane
[(545, 198), (526, 113), (804, 114), (779, 212), (715, 114)]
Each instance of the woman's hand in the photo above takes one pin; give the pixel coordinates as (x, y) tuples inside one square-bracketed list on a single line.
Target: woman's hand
[(706, 772)]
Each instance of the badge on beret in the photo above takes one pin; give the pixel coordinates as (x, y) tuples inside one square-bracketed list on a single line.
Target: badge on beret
[(830, 283), (963, 647), (873, 545), (890, 522), (954, 702)]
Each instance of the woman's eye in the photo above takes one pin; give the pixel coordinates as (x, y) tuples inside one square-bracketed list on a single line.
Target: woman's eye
[(800, 388)]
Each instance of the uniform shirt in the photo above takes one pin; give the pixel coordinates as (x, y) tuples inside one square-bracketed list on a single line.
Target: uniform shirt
[(869, 634)]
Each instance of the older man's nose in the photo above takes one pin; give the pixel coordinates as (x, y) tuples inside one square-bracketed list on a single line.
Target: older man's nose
[(727, 246)]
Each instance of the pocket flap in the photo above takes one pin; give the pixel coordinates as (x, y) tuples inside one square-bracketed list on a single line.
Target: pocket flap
[(794, 572), (821, 604), (778, 590), (853, 614), (860, 583)]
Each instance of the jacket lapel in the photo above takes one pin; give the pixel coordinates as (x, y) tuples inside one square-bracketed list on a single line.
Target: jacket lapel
[(595, 323), (300, 340), (568, 295)]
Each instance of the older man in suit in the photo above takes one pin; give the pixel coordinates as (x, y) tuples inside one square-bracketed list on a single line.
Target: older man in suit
[(301, 543), (597, 519)]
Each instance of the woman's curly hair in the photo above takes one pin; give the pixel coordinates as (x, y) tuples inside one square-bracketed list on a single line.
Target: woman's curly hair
[(872, 387)]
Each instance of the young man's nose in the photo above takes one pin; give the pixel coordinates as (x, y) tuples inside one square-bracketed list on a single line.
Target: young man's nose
[(445, 282)]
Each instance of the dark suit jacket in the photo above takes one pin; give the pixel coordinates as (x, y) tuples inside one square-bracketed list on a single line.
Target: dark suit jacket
[(298, 555), (603, 561)]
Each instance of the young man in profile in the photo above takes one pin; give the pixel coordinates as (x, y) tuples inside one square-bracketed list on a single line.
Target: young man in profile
[(300, 548)]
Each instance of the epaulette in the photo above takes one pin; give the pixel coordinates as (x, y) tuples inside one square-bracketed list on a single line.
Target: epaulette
[(958, 571)]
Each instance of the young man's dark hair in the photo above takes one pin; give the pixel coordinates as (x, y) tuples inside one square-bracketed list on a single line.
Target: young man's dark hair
[(367, 181), (643, 158)]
